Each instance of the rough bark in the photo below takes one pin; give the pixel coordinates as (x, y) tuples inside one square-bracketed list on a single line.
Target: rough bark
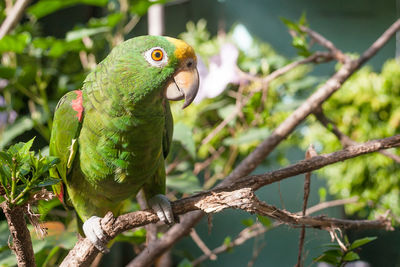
[(21, 239)]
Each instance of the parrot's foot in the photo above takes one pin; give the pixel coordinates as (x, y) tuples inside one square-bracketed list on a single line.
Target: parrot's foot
[(94, 232), (162, 207)]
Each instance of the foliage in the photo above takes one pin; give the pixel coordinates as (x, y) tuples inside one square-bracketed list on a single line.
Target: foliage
[(22, 173), (365, 108), (338, 256), (299, 41)]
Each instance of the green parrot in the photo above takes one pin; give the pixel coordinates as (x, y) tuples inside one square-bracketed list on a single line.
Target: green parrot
[(113, 136)]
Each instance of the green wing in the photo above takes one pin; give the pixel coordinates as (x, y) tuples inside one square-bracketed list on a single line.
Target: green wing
[(168, 130), (63, 142)]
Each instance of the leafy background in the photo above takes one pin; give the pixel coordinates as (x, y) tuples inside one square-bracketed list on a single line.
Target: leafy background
[(58, 42)]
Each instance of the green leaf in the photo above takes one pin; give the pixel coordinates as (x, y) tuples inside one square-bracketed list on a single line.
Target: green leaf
[(14, 43), (351, 256), (264, 221), (183, 134), (328, 259), (303, 19), (290, 24), (334, 252), (227, 241), (5, 158), (46, 163), (47, 182), (247, 222), (24, 150), (360, 242), (79, 34), (5, 175), (185, 183), (45, 7)]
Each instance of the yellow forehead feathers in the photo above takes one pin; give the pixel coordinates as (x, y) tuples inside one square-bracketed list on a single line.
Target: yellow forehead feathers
[(183, 50)]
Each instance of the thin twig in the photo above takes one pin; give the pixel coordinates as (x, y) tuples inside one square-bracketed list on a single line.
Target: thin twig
[(256, 252), (337, 54), (307, 182), (197, 239), (329, 204), (13, 17), (198, 167), (344, 139)]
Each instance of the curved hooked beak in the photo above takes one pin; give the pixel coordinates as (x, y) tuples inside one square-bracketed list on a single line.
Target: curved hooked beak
[(183, 85)]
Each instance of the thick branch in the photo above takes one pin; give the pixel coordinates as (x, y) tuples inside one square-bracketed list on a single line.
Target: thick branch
[(344, 139), (22, 243), (258, 228), (233, 196), (13, 17)]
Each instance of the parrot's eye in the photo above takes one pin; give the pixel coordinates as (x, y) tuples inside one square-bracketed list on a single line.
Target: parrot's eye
[(156, 56)]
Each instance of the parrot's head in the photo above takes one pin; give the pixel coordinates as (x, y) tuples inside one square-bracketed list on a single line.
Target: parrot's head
[(154, 66)]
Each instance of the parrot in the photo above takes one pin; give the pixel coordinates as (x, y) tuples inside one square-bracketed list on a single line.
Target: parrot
[(113, 135)]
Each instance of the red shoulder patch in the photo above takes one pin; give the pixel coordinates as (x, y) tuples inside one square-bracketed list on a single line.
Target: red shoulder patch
[(77, 104), (60, 194)]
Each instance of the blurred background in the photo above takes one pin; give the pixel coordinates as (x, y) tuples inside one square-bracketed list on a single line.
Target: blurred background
[(58, 42)]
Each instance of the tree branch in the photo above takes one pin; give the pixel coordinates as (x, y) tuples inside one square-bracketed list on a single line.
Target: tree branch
[(22, 243), (336, 53), (258, 228), (239, 196), (13, 17), (307, 183), (344, 139)]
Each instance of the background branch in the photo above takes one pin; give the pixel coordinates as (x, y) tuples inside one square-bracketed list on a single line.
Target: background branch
[(13, 17)]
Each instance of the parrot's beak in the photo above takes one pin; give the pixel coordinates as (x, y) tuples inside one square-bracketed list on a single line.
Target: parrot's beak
[(183, 85)]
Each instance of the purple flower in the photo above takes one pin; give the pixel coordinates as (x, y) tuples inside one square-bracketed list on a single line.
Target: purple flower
[(222, 70)]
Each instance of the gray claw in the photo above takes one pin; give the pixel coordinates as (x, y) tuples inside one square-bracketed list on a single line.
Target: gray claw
[(162, 207), (94, 232)]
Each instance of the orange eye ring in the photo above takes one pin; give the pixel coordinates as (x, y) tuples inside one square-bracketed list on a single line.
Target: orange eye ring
[(157, 54)]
